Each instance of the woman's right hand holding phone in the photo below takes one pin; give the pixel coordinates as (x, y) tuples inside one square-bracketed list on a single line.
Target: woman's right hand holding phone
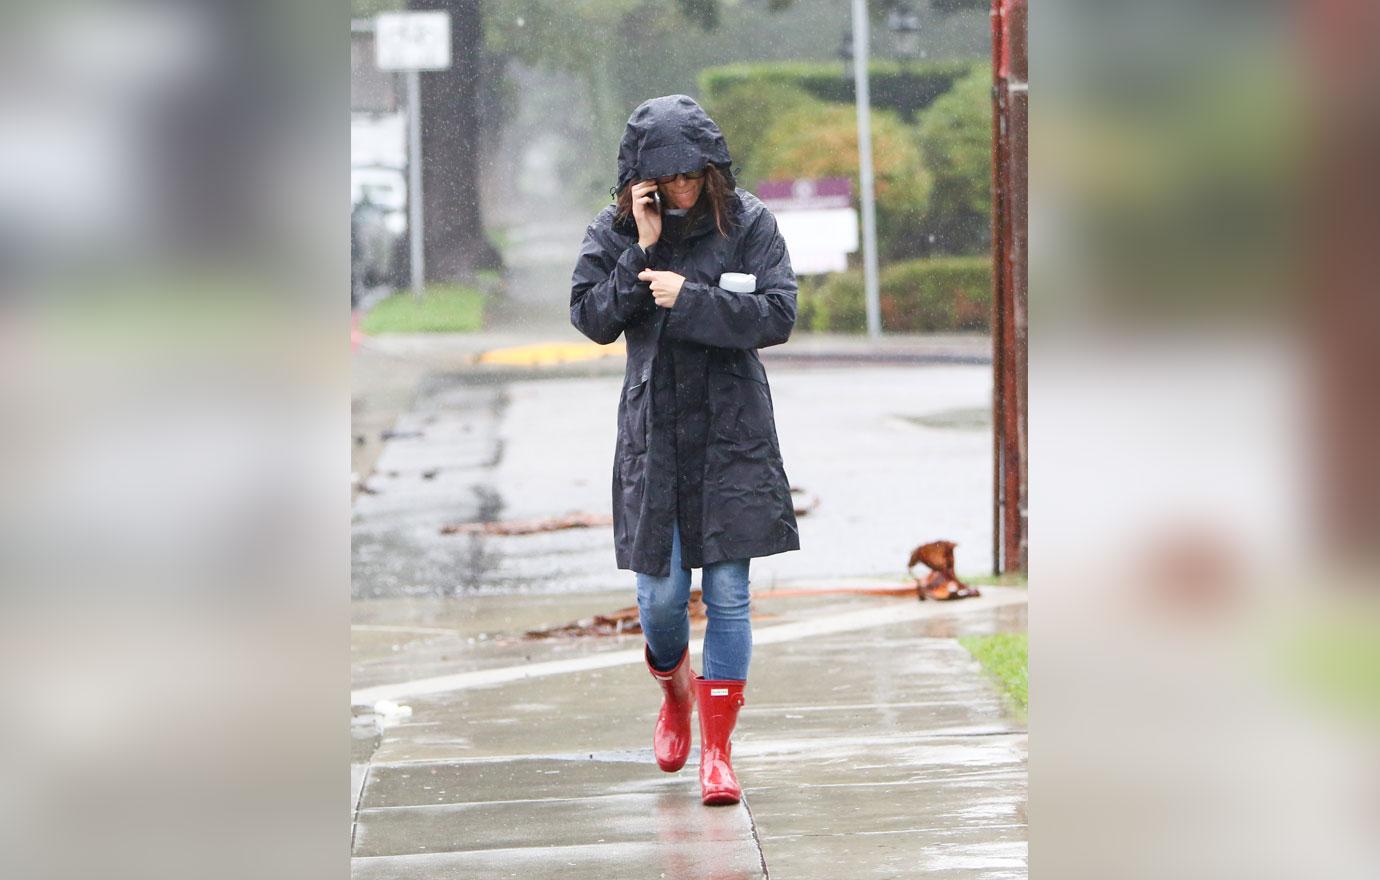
[(647, 217)]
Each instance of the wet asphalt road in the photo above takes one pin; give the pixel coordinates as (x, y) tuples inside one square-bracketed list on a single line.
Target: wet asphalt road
[(895, 455)]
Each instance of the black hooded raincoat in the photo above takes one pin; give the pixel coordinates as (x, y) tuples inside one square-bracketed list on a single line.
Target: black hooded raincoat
[(697, 438)]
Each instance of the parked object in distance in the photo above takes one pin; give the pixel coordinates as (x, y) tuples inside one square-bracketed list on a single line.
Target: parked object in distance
[(378, 227)]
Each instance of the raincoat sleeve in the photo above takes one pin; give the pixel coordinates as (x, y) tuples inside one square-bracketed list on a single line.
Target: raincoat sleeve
[(605, 294), (709, 315)]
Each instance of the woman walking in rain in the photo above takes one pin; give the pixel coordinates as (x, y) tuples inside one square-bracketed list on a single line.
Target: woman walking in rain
[(698, 480)]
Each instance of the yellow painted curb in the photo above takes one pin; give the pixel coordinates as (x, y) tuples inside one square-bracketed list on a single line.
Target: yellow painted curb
[(541, 354)]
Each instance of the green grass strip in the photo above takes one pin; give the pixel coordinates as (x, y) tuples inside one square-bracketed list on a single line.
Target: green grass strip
[(1333, 661), (448, 308), (1004, 656), (1008, 579)]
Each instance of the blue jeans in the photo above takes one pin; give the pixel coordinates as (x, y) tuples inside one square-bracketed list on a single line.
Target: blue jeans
[(663, 605)]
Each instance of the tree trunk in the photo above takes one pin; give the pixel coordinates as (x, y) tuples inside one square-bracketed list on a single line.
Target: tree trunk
[(454, 238)]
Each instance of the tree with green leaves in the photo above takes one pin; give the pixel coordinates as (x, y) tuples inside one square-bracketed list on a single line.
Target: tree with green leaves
[(955, 135), (455, 243), (821, 140)]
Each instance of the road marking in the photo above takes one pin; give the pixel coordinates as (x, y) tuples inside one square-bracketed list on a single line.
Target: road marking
[(547, 353), (992, 597)]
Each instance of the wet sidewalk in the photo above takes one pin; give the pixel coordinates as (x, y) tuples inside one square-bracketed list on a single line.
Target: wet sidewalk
[(871, 745)]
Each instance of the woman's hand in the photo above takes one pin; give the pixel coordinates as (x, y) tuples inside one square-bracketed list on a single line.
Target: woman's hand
[(648, 220), (665, 285)]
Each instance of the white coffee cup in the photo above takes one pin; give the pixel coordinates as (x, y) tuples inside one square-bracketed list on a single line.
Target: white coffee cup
[(738, 282)]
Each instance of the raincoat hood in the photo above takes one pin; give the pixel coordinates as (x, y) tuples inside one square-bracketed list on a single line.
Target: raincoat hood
[(668, 135)]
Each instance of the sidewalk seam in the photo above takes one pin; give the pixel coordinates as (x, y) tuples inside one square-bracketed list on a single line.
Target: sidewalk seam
[(354, 819), (756, 839), (546, 800)]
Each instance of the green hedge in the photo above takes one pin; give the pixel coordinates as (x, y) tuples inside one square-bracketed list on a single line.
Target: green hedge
[(834, 305), (747, 111), (947, 293), (907, 88), (821, 140), (955, 136)]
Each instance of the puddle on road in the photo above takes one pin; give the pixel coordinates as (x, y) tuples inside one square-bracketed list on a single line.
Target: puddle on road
[(477, 563), (961, 419), (489, 504)]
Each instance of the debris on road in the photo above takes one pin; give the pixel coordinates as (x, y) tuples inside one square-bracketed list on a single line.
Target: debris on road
[(624, 621), (941, 584), (530, 526), (387, 713)]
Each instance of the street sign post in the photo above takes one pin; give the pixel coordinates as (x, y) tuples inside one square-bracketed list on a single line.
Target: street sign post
[(869, 208), (410, 42)]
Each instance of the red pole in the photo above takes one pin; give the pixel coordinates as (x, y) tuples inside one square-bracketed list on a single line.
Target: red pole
[(1010, 178)]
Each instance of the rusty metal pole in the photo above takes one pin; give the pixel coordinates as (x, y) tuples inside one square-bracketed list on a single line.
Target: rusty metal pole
[(1010, 177), (1343, 314), (998, 277)]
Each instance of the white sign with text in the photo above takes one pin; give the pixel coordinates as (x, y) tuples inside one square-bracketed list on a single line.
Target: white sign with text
[(412, 41)]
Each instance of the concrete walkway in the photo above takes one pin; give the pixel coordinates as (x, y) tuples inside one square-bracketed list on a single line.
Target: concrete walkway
[(874, 748)]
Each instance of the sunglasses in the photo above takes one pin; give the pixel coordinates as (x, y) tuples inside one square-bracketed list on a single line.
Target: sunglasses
[(688, 175)]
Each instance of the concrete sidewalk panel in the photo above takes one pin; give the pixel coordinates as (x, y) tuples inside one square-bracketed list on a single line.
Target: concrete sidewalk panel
[(935, 786), (575, 714), (889, 754), (530, 778), (889, 856), (685, 860), (612, 815), (668, 817)]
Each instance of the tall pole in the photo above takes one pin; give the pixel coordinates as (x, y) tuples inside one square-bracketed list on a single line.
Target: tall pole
[(1010, 94), (414, 180), (869, 207)]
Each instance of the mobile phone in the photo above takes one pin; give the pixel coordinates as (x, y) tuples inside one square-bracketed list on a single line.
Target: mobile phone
[(656, 201)]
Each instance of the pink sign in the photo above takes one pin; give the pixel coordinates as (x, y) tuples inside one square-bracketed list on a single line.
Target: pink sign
[(804, 194)]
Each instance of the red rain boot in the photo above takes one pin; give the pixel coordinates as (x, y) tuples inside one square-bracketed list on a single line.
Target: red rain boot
[(719, 704), (671, 739)]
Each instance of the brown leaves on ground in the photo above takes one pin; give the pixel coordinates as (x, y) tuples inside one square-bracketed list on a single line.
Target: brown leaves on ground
[(530, 526), (616, 623), (803, 501)]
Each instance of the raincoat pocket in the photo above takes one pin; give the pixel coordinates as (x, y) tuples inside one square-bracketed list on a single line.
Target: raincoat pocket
[(634, 418), (740, 401)]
